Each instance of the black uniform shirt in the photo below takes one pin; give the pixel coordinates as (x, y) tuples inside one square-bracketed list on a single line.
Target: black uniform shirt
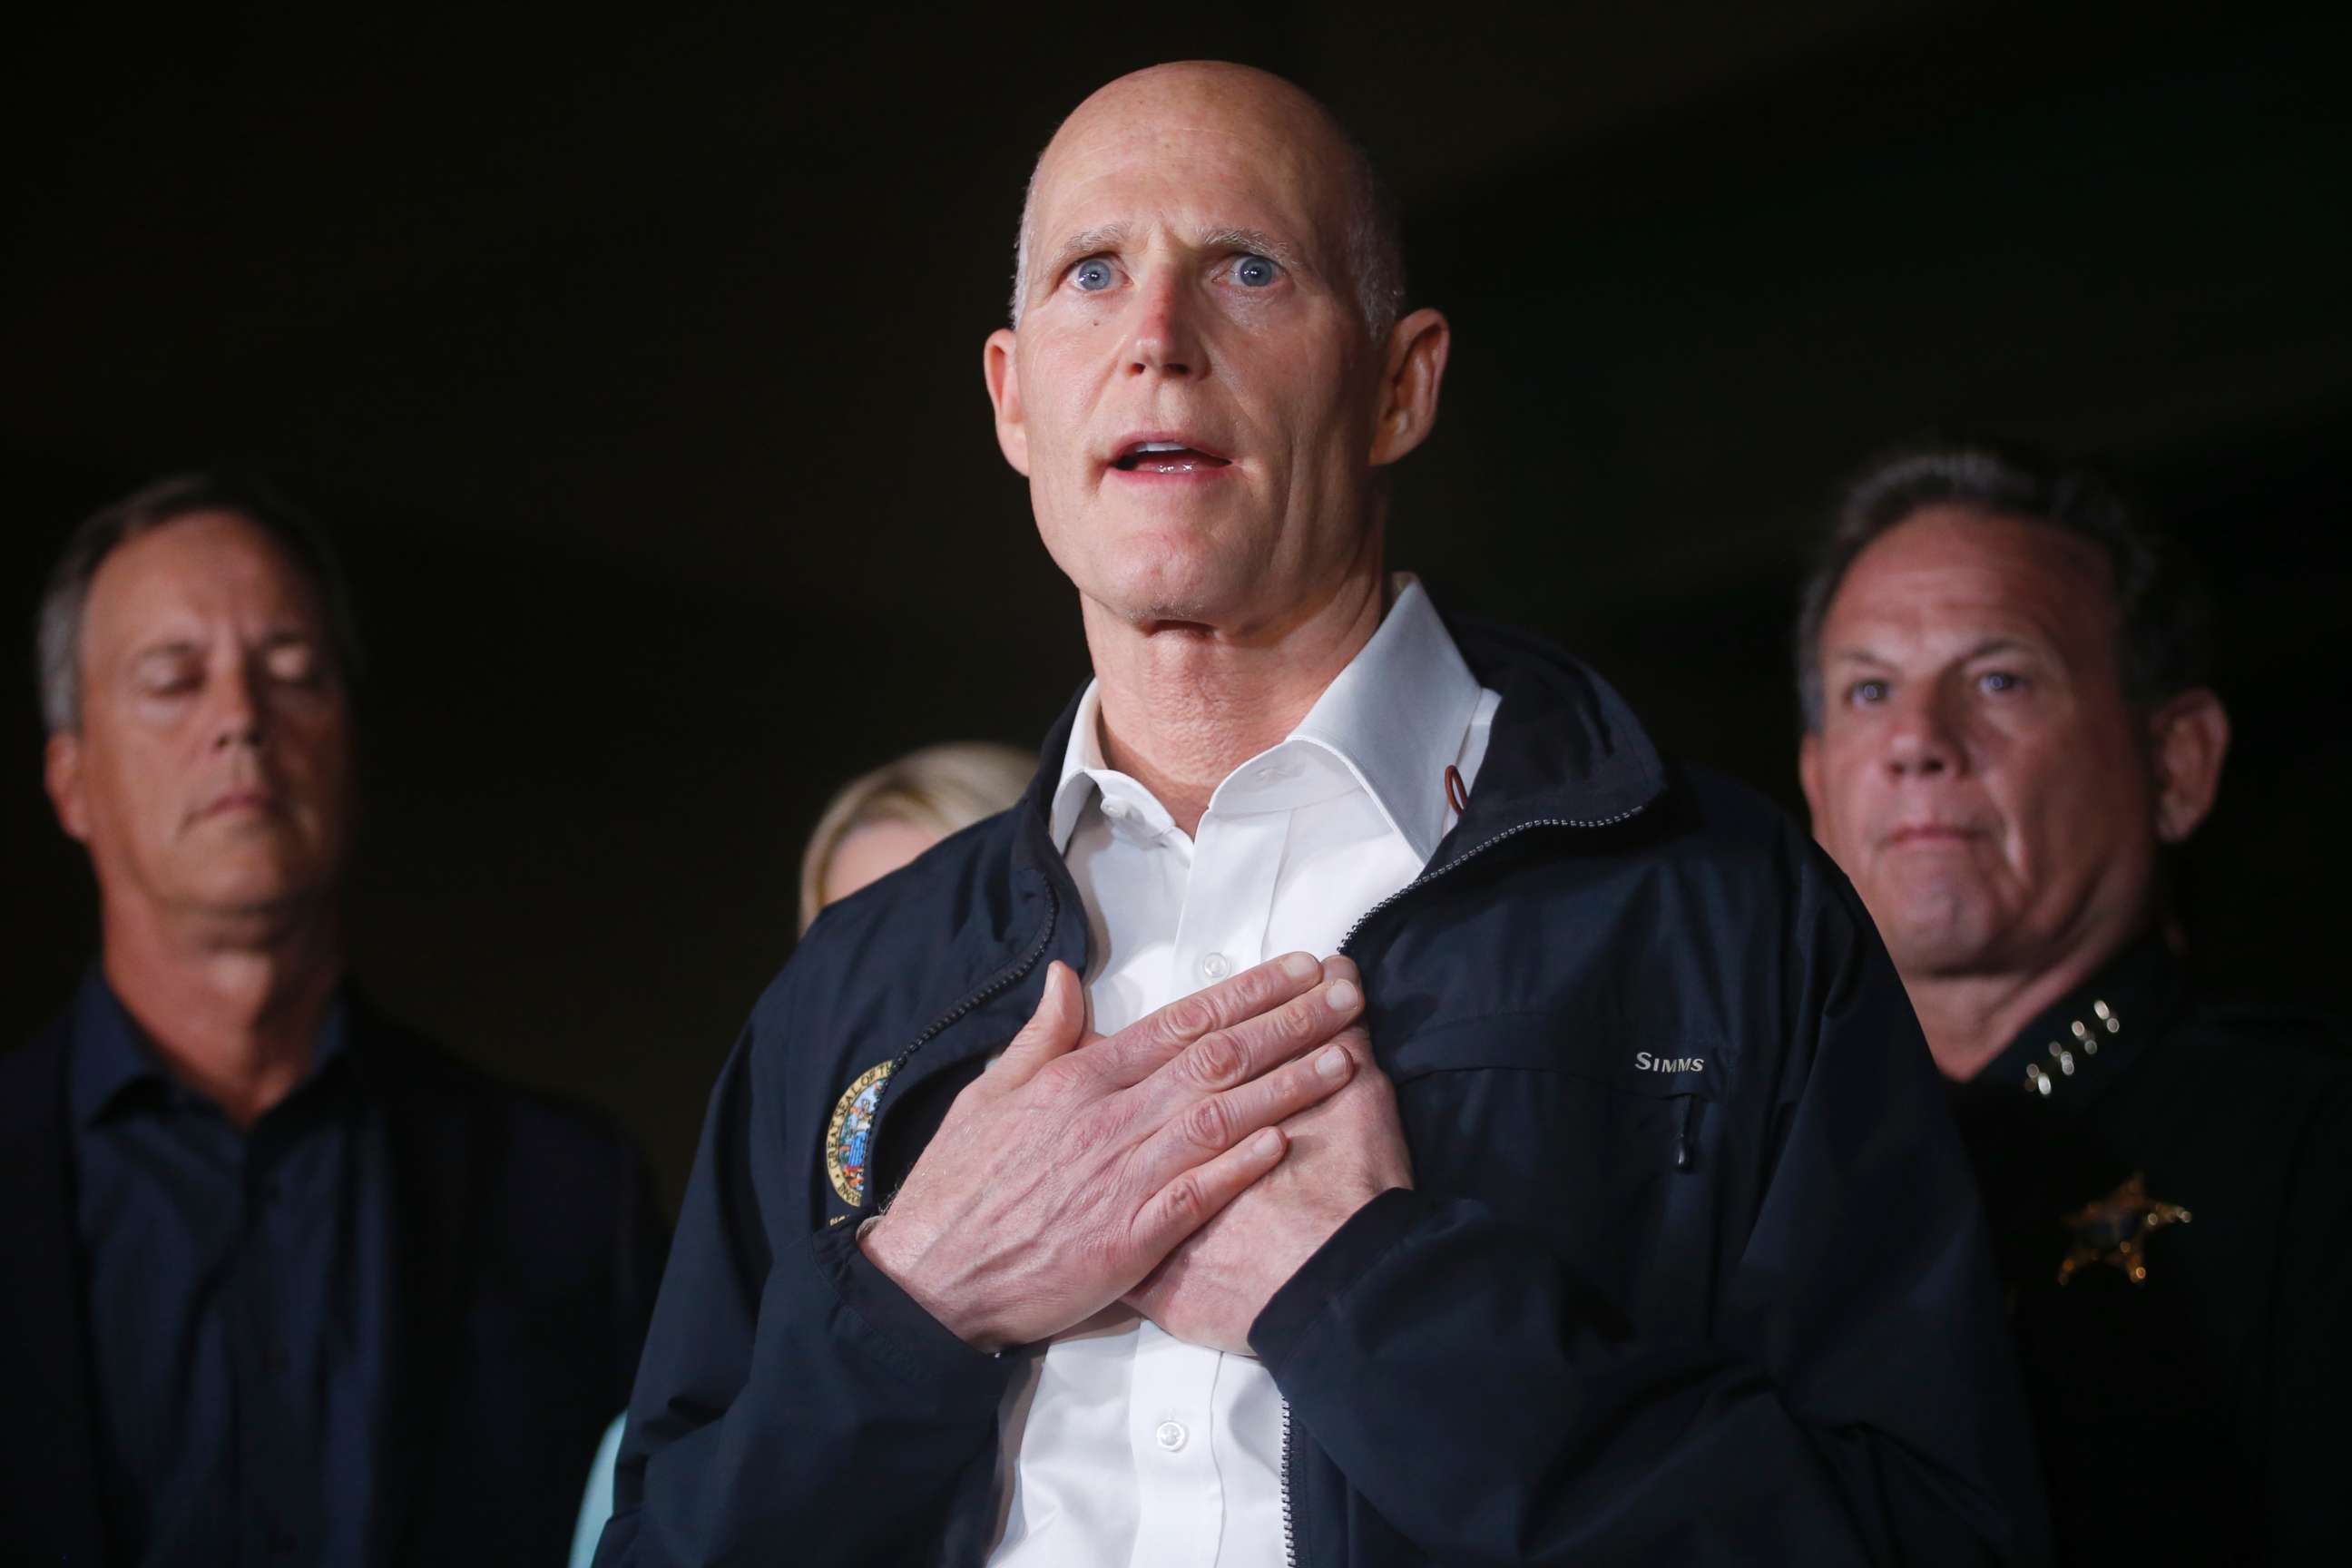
[(234, 1286), (2188, 1169)]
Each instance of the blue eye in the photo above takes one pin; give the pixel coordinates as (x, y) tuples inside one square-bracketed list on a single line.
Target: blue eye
[(1093, 276), (1867, 691), (1998, 681), (1255, 272)]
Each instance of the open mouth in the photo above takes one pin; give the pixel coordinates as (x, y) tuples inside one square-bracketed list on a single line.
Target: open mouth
[(1166, 457)]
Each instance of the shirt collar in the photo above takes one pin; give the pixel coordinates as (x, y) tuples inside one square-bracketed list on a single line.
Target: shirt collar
[(111, 1054), (2082, 1043), (1390, 723)]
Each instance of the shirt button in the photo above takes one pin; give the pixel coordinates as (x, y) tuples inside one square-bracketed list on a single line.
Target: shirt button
[(1170, 1436), (1215, 966), (1117, 810)]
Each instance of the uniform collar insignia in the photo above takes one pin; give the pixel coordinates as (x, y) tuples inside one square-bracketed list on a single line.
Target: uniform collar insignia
[(2079, 1042), (2116, 1230), (2077, 1050)]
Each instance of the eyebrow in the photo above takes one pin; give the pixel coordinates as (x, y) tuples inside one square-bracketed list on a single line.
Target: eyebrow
[(1109, 236), (174, 648), (1860, 654), (185, 647), (1255, 241), (1085, 243)]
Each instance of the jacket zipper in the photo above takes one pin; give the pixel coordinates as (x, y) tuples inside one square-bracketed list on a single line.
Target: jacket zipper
[(1005, 978), (1426, 878), (1289, 1532), (1289, 1535)]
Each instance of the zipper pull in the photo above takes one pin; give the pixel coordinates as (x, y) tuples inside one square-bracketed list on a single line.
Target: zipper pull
[(1686, 1142)]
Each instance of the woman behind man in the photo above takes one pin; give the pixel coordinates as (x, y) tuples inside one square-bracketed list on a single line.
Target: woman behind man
[(883, 820)]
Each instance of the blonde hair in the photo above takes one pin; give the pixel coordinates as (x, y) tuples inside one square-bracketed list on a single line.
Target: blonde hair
[(945, 788)]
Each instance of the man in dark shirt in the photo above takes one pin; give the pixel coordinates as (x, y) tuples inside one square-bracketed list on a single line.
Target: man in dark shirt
[(2006, 719), (283, 1284)]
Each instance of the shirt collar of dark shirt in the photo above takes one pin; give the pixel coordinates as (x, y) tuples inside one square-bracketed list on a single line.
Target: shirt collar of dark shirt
[(2079, 1047), (112, 1058)]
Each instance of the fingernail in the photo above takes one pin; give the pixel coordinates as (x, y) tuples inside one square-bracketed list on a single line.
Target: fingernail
[(1300, 965), (1332, 1063), (1268, 1143), (1342, 995)]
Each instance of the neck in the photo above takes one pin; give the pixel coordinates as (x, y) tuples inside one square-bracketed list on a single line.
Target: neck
[(233, 1008), (1183, 704), (1970, 1020)]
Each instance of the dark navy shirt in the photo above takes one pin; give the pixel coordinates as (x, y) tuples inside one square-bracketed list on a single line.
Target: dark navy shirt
[(236, 1290), (2184, 1411)]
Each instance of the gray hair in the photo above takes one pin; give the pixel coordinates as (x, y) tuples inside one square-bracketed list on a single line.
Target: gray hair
[(2164, 624), (1375, 241), (58, 624)]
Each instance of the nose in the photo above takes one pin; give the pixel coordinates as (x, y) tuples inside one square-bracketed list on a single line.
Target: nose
[(236, 718), (1923, 740), (1166, 340)]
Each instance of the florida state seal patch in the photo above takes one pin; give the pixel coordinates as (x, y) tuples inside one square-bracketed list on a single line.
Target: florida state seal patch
[(847, 1136)]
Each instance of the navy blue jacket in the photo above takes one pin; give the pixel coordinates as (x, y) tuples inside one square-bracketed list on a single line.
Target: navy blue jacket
[(1737, 1307), (526, 1247)]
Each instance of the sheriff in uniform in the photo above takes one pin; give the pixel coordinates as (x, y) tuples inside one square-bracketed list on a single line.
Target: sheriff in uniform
[(2006, 719)]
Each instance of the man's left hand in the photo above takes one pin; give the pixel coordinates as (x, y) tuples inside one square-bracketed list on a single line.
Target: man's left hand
[(1344, 1152)]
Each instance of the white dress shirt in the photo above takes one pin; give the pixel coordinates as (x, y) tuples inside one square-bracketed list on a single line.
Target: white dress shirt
[(1124, 1444)]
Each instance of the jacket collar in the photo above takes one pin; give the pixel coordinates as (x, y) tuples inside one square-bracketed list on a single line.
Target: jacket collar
[(1564, 747)]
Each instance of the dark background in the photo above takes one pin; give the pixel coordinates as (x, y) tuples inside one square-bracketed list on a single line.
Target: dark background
[(638, 370)]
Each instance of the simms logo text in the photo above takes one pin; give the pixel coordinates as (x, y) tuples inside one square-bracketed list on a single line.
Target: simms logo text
[(1649, 1063)]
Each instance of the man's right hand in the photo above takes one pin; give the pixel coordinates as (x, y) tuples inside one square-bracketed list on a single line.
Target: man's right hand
[(1062, 1176)]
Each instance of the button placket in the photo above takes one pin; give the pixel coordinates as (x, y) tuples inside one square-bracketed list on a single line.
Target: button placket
[(1229, 897), (1180, 1497)]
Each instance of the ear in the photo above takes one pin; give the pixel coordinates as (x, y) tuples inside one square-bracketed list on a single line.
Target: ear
[(61, 774), (1408, 382), (1001, 364), (2189, 739), (1809, 776)]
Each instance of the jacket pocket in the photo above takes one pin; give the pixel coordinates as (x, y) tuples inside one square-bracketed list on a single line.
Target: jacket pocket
[(1603, 1136), (1622, 1054)]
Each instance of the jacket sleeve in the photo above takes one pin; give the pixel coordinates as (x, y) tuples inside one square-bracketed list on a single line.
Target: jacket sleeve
[(640, 1247), (792, 1404), (1854, 1401)]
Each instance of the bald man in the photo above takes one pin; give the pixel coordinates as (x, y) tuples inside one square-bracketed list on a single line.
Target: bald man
[(1361, 1106)]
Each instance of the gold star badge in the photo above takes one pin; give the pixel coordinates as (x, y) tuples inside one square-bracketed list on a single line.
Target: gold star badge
[(2116, 1230)]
